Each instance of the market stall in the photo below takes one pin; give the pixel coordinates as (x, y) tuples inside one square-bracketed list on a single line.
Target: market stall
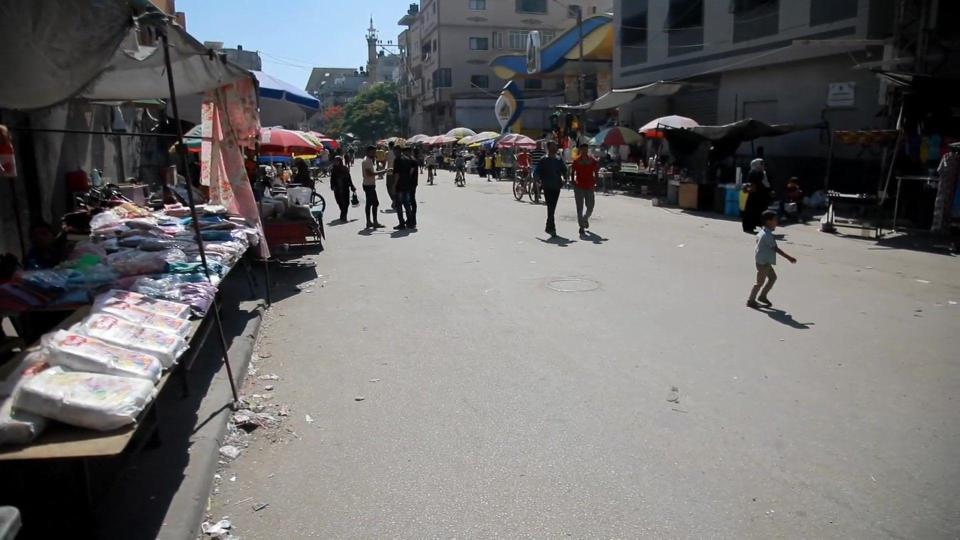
[(148, 278)]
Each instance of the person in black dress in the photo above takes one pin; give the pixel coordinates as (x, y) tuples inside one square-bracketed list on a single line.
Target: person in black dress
[(759, 198)]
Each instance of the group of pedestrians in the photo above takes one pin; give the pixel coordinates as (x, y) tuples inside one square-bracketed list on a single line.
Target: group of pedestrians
[(401, 171), (551, 171)]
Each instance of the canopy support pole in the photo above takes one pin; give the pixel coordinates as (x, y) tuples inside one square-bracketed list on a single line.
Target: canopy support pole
[(182, 153)]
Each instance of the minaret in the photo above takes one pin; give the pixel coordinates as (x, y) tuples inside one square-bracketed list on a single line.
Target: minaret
[(372, 59)]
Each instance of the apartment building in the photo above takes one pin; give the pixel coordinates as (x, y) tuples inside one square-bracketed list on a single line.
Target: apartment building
[(778, 61), (448, 44)]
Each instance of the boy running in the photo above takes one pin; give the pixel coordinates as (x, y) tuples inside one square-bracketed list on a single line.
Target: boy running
[(766, 258)]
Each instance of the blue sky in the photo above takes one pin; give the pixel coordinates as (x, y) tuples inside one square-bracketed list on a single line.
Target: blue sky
[(295, 35)]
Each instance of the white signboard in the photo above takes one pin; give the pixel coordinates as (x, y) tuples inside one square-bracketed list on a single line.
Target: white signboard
[(533, 52), (842, 94)]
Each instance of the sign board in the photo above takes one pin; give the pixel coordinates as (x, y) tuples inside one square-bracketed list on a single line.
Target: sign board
[(533, 51), (842, 94)]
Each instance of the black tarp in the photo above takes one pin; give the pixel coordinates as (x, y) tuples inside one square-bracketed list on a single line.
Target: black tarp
[(725, 140)]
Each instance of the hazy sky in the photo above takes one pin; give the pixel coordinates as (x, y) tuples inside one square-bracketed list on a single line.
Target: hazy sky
[(294, 36)]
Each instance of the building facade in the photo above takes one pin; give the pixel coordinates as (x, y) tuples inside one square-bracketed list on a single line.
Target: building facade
[(776, 61), (446, 79)]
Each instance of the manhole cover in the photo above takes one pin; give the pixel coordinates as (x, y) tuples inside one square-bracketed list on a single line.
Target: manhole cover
[(573, 285)]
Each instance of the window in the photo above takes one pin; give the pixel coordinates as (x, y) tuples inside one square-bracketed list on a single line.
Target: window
[(480, 81), (478, 5), (532, 6), (498, 40), (754, 19), (684, 26), (547, 37), (443, 78), (573, 10), (828, 11), (633, 33), (479, 44), (533, 84), (518, 40)]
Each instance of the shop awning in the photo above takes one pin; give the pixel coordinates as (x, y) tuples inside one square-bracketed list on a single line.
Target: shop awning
[(55, 50), (620, 97)]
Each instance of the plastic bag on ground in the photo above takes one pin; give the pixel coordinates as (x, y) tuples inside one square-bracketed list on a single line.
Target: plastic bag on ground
[(112, 329), (83, 353), (89, 400)]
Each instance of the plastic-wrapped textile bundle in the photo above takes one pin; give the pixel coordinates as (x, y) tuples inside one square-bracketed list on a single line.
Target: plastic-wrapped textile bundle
[(89, 400), (112, 329), (144, 317), (148, 302), (191, 289), (78, 352), (133, 262), (19, 427)]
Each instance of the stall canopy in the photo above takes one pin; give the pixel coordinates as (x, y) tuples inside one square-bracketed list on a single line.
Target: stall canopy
[(620, 97), (55, 50), (282, 103), (727, 138)]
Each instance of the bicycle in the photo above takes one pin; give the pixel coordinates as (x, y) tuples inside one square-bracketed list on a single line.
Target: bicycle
[(519, 186), (460, 180), (430, 174), (534, 190)]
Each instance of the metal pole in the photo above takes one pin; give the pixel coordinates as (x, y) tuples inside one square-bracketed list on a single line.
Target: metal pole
[(16, 214), (580, 61), (182, 153)]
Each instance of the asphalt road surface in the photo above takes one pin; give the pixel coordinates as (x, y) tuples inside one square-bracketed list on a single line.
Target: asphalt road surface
[(609, 387)]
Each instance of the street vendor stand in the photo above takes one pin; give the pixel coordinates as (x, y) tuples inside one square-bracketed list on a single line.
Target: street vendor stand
[(856, 191), (111, 64)]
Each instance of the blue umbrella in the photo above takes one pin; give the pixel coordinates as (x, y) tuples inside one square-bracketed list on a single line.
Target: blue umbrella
[(282, 103)]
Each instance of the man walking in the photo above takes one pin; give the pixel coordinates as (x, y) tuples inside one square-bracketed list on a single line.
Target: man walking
[(585, 170), (392, 156), (370, 173), (406, 169), (342, 184), (551, 171)]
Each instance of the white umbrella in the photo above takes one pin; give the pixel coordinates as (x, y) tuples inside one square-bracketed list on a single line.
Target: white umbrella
[(672, 121)]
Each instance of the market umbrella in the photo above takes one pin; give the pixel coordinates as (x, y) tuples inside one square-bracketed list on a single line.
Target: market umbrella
[(461, 132), (191, 140), (616, 136), (479, 137), (516, 140), (282, 102), (276, 140), (418, 139), (655, 127), (442, 139), (320, 139)]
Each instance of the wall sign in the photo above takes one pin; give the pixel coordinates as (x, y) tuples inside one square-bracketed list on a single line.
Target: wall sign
[(842, 94)]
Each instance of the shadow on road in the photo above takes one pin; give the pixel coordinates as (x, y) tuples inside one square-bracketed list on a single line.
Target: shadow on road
[(337, 222), (783, 317), (591, 236), (558, 241), (402, 233)]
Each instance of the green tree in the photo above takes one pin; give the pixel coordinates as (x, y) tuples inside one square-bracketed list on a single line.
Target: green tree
[(373, 114)]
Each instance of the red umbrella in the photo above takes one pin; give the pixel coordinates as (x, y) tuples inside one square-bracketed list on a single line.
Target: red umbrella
[(516, 140), (275, 140), (332, 144)]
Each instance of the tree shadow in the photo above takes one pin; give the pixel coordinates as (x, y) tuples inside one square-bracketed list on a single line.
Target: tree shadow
[(558, 241), (591, 236), (785, 318)]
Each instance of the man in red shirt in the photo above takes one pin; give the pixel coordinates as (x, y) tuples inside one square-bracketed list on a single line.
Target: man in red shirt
[(524, 164), (585, 170)]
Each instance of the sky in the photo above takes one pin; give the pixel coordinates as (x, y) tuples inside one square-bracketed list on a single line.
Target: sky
[(293, 36)]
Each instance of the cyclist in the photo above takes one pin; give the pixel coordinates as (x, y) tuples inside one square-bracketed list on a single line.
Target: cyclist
[(524, 164)]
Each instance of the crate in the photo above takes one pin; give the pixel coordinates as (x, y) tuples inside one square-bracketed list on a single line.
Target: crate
[(688, 196), (286, 232)]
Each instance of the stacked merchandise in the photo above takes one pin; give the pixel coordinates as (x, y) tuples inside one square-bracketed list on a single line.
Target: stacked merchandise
[(142, 271), (155, 253)]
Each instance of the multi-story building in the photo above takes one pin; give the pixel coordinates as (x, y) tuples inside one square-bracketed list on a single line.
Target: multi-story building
[(239, 56), (777, 61), (447, 47)]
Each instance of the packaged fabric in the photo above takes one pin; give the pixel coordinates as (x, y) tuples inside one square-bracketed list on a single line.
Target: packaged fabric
[(191, 289), (144, 317), (112, 329), (89, 400), (134, 262), (19, 427), (162, 307), (84, 353)]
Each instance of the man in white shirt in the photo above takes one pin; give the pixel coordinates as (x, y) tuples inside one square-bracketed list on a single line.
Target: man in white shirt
[(370, 173)]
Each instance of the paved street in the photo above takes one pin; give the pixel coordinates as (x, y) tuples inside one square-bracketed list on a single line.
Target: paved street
[(607, 388)]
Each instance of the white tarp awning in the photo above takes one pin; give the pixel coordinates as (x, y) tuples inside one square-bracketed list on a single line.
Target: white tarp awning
[(55, 50), (620, 97)]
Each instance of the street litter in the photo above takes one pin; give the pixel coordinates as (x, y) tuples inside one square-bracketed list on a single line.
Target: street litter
[(680, 245), (229, 451), (374, 380), (674, 395), (952, 302), (268, 387), (925, 282), (260, 506), (233, 478), (308, 418), (359, 398), (216, 529), (269, 377)]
